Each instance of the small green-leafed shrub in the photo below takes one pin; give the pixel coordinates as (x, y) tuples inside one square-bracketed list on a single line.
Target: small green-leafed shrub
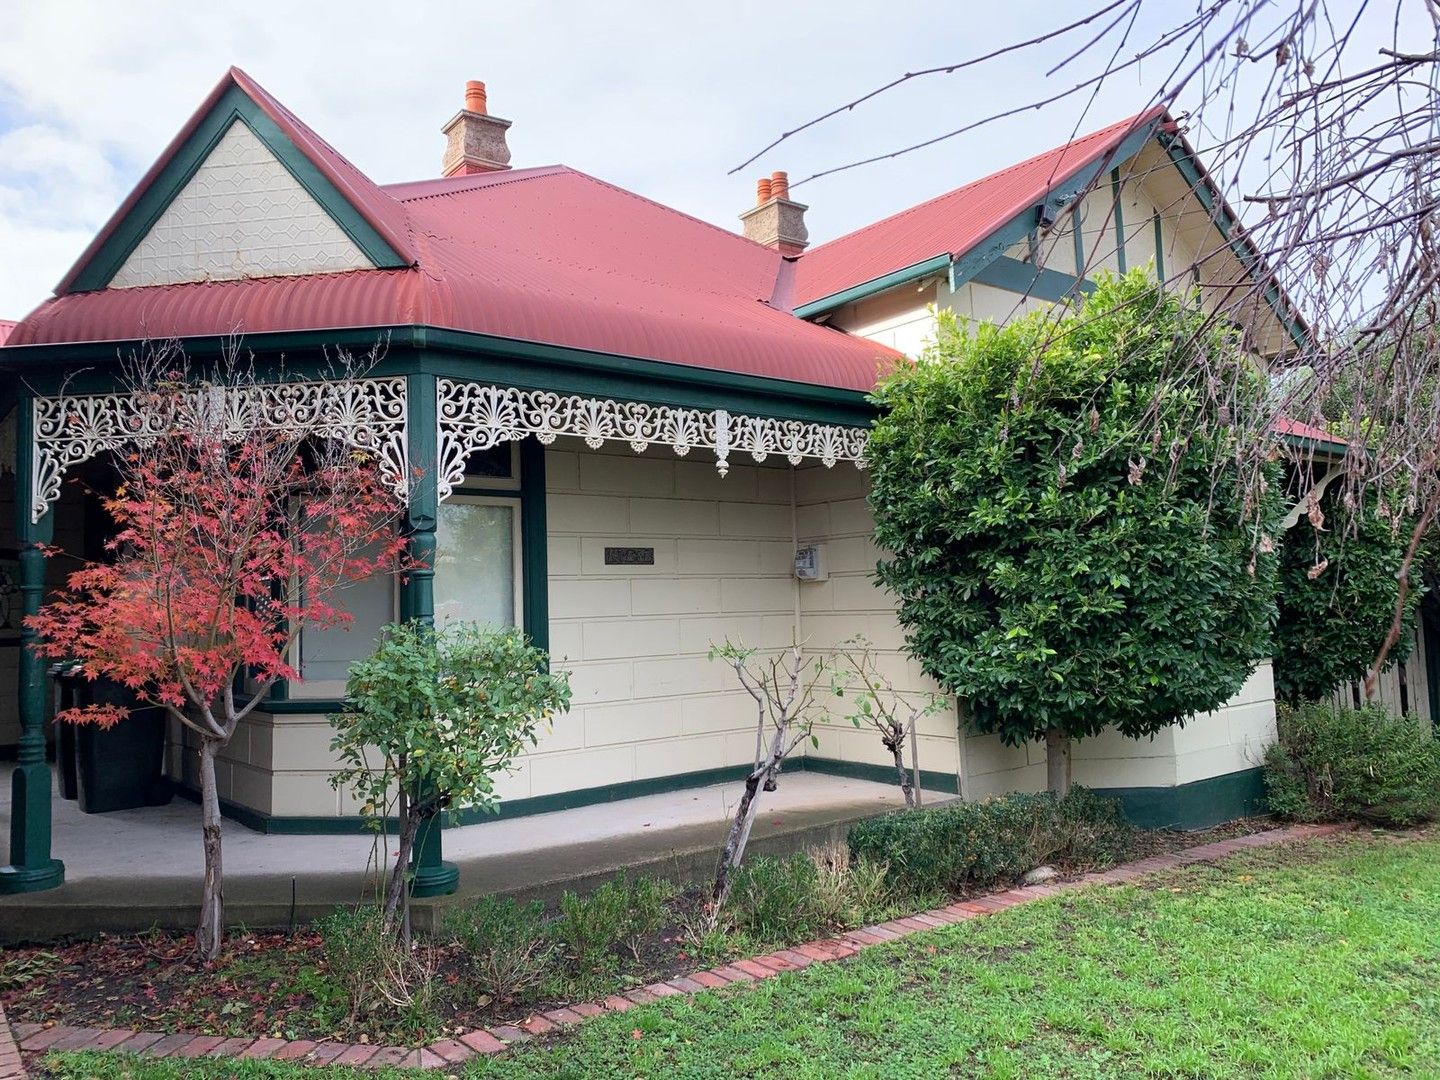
[(647, 908), (808, 894), (386, 982), (509, 946), (848, 892), (962, 845), (620, 912), (773, 899), (1334, 763)]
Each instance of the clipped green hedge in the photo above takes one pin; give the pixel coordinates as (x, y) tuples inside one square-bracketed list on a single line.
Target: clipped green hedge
[(1334, 763), (967, 844)]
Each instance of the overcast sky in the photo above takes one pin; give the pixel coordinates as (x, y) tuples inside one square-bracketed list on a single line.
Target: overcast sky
[(663, 99)]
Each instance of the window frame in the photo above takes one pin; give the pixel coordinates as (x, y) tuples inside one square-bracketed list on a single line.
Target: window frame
[(475, 496)]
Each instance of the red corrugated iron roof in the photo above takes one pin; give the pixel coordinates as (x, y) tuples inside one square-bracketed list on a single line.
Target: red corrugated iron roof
[(546, 255), (5, 327), (952, 223), (1300, 430)]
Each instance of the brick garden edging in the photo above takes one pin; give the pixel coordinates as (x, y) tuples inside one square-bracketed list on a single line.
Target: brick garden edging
[(36, 1039)]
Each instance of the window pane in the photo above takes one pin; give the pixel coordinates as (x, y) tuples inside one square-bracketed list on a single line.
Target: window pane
[(327, 653), (475, 563), (497, 462)]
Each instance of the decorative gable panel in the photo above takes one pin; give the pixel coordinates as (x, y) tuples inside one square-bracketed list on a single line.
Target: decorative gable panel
[(241, 215)]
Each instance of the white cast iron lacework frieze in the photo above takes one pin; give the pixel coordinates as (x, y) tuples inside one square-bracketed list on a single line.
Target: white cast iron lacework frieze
[(369, 414), (474, 416)]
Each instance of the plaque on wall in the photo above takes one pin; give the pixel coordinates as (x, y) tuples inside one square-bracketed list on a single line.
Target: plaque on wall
[(629, 556)]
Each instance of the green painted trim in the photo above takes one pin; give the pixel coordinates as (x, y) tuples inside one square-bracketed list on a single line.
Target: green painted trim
[(1118, 211), (234, 106), (485, 358), (31, 867), (1159, 249), (1079, 237), (535, 543), (970, 262), (1332, 448), (300, 706), (874, 285), (1239, 244), (280, 825), (1015, 276), (880, 774), (1197, 805)]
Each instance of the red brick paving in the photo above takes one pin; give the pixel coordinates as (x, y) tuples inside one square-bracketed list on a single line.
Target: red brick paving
[(34, 1038), (296, 1050), (482, 1042), (536, 1025), (356, 1055), (453, 1052), (168, 1045), (140, 1042), (263, 1048), (11, 1067)]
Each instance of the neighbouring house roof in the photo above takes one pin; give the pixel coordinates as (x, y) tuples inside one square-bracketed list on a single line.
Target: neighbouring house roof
[(951, 224), (546, 255), (1309, 433), (6, 325)]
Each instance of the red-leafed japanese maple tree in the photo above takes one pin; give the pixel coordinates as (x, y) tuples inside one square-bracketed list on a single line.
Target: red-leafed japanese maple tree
[(231, 539)]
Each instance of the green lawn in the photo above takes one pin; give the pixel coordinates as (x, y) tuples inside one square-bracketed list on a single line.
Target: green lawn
[(1321, 960)]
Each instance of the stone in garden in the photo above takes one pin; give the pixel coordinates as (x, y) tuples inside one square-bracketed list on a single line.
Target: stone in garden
[(1040, 875)]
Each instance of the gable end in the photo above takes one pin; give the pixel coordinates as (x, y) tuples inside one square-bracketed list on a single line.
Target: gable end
[(237, 199)]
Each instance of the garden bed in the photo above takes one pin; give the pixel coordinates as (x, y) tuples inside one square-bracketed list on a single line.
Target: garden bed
[(280, 984)]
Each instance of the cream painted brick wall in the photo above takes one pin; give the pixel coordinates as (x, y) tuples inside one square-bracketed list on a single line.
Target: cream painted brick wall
[(831, 510), (647, 700)]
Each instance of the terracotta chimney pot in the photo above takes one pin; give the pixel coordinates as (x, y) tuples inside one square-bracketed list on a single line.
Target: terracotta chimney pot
[(775, 220), (475, 97)]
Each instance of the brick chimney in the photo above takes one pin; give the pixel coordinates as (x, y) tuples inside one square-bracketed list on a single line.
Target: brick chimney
[(775, 220), (476, 139)]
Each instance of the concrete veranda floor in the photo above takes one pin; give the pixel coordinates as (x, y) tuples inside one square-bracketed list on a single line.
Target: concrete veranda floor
[(134, 869)]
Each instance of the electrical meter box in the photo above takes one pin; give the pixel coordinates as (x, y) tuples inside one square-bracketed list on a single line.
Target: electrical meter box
[(810, 563)]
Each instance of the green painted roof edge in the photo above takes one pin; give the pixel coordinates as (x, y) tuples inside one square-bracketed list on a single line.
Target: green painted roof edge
[(875, 285), (528, 364)]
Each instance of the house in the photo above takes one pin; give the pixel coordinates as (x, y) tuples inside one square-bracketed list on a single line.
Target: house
[(626, 422)]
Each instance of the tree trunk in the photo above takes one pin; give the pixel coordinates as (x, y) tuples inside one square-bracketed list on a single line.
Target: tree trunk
[(396, 891), (210, 934), (915, 761), (896, 744), (1057, 761), (735, 841)]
